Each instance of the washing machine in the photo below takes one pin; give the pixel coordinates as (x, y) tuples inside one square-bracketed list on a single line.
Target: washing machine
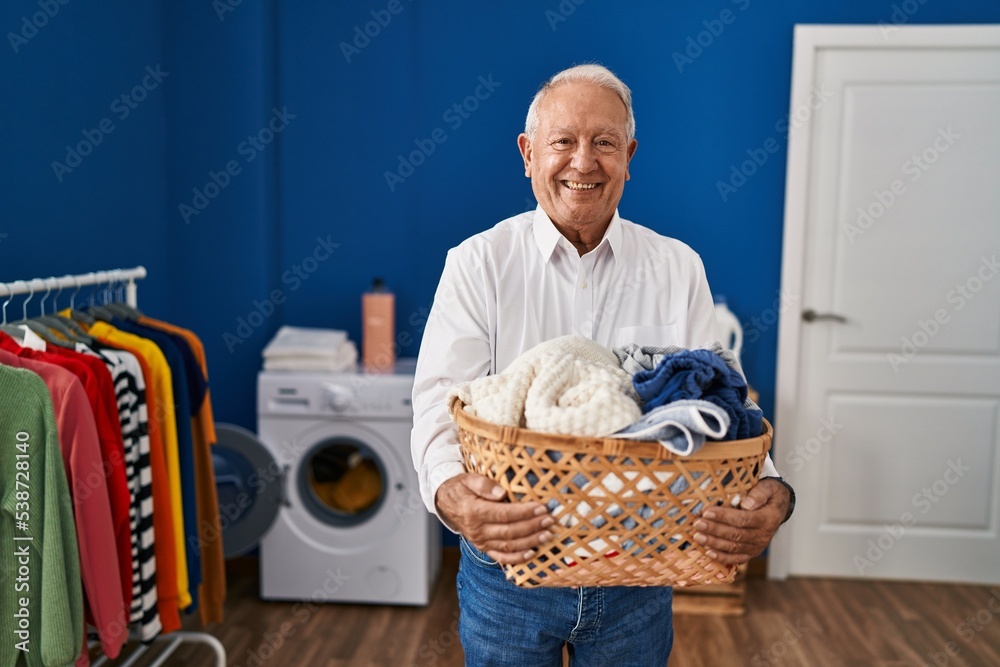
[(335, 502)]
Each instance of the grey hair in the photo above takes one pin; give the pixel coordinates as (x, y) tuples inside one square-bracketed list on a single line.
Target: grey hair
[(591, 73)]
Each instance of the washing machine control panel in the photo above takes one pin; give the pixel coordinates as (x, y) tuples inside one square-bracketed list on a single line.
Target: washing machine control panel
[(335, 394), (339, 397)]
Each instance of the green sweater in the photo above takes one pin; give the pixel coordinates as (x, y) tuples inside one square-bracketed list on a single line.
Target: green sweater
[(40, 589)]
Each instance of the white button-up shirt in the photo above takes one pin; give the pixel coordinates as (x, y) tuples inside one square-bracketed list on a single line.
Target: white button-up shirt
[(521, 283)]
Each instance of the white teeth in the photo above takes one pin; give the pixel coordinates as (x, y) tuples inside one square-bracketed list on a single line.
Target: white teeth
[(573, 185)]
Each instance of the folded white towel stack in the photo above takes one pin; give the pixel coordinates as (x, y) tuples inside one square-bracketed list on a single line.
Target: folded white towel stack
[(306, 349)]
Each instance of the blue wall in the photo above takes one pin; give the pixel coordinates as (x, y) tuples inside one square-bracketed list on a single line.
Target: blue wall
[(346, 115), (61, 93)]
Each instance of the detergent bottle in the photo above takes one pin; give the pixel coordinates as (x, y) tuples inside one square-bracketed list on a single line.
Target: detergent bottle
[(378, 343), (729, 327)]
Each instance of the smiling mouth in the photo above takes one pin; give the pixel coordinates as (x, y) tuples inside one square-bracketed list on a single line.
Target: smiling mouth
[(575, 185)]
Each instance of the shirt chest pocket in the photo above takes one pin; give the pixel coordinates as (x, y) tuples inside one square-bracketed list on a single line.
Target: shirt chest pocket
[(658, 336)]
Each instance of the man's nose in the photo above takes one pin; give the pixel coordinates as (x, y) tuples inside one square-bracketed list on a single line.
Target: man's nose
[(584, 157)]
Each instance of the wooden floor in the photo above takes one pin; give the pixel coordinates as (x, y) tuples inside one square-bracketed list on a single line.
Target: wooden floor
[(807, 622)]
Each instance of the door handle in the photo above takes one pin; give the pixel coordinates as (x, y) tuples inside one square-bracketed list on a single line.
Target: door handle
[(812, 316)]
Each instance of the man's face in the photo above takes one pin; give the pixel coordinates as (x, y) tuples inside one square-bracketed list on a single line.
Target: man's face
[(578, 159)]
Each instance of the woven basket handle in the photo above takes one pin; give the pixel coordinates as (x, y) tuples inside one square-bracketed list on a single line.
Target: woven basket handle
[(454, 405)]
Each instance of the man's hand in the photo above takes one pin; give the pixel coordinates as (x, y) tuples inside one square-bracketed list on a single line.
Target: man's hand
[(507, 532), (735, 535)]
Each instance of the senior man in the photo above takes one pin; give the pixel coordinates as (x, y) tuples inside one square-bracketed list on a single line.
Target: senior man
[(571, 266)]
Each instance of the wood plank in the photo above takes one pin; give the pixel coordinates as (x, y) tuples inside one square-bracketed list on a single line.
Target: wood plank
[(799, 622)]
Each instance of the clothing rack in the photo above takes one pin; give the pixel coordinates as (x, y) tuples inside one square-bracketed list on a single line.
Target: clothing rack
[(128, 278)]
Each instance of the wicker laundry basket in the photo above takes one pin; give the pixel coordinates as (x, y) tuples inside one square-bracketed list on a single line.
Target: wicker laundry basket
[(624, 509)]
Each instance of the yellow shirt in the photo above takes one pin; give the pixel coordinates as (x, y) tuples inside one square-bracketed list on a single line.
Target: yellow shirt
[(161, 385)]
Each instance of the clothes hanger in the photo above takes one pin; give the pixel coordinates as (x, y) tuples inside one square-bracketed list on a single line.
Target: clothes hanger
[(99, 309), (14, 332), (51, 321), (64, 325), (37, 327), (79, 315), (119, 308), (66, 319), (129, 311), (104, 311)]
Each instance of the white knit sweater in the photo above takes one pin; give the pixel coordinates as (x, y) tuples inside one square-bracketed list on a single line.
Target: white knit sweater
[(568, 385)]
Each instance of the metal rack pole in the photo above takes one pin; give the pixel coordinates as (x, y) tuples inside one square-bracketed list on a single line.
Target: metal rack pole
[(127, 276)]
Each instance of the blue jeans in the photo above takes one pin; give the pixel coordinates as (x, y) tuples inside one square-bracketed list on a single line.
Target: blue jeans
[(502, 625)]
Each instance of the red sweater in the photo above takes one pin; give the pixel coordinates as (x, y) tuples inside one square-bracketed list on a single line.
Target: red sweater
[(81, 454), (97, 383)]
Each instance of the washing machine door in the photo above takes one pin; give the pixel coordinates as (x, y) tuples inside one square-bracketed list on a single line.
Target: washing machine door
[(349, 486), (250, 485)]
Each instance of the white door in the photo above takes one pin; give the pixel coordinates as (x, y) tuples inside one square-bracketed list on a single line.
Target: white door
[(888, 422)]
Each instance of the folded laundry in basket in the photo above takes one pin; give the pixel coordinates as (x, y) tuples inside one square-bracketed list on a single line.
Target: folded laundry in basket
[(701, 374), (568, 385), (634, 358), (681, 426)]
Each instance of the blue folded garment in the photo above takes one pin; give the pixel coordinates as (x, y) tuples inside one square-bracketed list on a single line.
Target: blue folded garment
[(700, 374), (681, 426)]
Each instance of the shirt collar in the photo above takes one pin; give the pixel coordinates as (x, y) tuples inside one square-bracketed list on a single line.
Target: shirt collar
[(547, 236)]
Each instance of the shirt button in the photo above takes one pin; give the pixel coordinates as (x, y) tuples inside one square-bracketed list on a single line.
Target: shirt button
[(584, 284)]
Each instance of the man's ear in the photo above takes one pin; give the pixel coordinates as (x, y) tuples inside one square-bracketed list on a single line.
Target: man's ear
[(631, 151), (524, 145)]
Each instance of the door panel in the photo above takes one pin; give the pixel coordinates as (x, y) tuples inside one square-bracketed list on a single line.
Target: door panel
[(883, 482), (893, 221)]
